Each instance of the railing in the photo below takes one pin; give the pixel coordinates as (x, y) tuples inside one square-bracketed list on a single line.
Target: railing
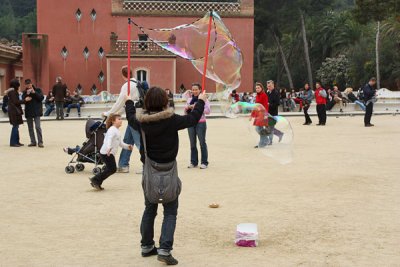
[(181, 7), (120, 47)]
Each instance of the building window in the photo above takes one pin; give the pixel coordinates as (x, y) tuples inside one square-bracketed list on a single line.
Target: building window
[(141, 75)]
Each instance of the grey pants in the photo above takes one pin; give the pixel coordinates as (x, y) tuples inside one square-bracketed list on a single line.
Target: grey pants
[(60, 109), (38, 130)]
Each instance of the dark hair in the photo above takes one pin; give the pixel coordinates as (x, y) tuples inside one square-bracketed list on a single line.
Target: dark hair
[(111, 119), (373, 79), (124, 72), (156, 99), (233, 91), (198, 85), (28, 81), (15, 84)]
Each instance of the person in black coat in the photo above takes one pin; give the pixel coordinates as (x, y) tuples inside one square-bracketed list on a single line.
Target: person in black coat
[(160, 125), (59, 92), (15, 111), (33, 112), (273, 101), (369, 96)]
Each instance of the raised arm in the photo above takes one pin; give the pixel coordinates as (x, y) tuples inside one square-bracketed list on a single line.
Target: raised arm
[(192, 118)]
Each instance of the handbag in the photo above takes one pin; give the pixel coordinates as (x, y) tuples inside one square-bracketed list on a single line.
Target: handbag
[(160, 181)]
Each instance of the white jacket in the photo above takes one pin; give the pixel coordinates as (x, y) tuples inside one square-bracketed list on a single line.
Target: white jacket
[(119, 105), (112, 140)]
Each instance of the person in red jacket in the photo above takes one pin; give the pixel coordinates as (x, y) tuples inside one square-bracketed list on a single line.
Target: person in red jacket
[(235, 97), (320, 97), (260, 115)]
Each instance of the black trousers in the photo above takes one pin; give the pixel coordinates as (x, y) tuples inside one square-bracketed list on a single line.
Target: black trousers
[(321, 111), (305, 109), (368, 113), (60, 109), (110, 169)]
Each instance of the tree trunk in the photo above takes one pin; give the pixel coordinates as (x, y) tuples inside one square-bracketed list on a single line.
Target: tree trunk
[(284, 61), (378, 75), (259, 50), (306, 53)]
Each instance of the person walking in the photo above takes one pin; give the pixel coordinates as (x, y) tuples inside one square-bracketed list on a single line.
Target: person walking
[(15, 111), (320, 98), (273, 102), (160, 129), (132, 135), (59, 92), (33, 112), (198, 131), (108, 150), (307, 99), (369, 99)]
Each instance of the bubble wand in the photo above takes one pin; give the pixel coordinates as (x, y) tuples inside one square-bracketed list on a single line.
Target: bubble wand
[(129, 56), (203, 84)]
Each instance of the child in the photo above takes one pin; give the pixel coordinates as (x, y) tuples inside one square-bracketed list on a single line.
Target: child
[(109, 149)]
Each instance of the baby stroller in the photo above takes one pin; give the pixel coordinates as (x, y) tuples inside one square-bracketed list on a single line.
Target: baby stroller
[(90, 150)]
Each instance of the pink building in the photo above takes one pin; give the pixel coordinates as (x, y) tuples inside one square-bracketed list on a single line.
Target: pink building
[(10, 66), (85, 42)]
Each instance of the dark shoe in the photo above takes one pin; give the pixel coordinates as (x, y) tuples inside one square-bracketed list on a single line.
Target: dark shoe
[(57, 118), (67, 115), (255, 146), (20, 144), (41, 145), (15, 145), (153, 252), (169, 260), (31, 145), (79, 115), (95, 185), (369, 125), (320, 124)]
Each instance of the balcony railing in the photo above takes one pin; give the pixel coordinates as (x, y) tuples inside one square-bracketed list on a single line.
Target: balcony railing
[(139, 48)]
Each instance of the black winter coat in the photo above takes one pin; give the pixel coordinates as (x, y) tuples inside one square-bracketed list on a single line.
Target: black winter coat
[(273, 101), (14, 107), (59, 92), (34, 108), (161, 130)]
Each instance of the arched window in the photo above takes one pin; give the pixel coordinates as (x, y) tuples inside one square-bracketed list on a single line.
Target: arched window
[(142, 75)]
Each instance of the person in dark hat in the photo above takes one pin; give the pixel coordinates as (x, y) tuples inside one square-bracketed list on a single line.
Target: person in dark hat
[(33, 112)]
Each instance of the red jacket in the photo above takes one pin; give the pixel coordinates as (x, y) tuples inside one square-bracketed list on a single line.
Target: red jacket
[(235, 98), (318, 98), (260, 114)]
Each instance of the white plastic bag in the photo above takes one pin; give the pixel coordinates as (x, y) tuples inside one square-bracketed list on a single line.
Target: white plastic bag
[(246, 235)]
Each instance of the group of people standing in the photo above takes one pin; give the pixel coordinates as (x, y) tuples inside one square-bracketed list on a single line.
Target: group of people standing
[(32, 97), (156, 124), (324, 100)]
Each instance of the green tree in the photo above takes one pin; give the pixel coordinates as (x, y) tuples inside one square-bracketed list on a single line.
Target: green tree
[(7, 20)]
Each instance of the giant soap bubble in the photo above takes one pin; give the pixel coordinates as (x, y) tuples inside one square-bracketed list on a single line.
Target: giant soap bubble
[(189, 41), (271, 135)]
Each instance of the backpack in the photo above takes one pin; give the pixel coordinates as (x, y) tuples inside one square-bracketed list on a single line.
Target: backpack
[(142, 92), (160, 181)]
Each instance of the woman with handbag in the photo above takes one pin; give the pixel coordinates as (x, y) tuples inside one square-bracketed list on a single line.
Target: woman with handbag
[(15, 111), (160, 143)]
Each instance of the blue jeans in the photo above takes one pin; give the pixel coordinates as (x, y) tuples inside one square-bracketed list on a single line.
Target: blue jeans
[(49, 109), (14, 139), (198, 131), (132, 137), (167, 229), (360, 104), (77, 105), (264, 139)]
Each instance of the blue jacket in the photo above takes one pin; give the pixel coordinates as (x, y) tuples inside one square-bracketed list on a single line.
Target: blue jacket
[(308, 95)]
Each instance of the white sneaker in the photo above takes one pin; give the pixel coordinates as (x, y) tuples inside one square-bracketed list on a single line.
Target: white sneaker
[(123, 170), (191, 166), (203, 166)]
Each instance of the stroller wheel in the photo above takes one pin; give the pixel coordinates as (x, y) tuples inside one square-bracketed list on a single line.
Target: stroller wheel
[(96, 170), (79, 167), (69, 169)]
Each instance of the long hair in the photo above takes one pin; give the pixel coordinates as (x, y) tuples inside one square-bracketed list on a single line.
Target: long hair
[(111, 119), (15, 84), (261, 85)]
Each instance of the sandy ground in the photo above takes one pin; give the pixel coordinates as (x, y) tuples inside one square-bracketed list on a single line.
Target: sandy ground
[(337, 204)]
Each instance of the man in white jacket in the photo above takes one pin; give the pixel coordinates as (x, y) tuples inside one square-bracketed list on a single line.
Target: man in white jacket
[(132, 137)]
